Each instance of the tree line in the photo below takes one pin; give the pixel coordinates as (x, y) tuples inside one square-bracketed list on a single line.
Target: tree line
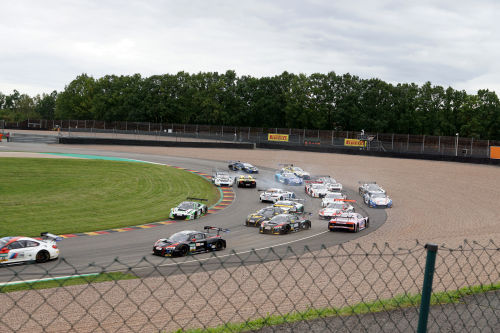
[(318, 101)]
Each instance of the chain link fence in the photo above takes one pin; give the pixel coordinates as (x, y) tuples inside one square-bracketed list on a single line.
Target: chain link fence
[(348, 288)]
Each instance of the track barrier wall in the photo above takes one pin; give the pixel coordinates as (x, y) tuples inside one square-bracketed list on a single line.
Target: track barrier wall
[(343, 288), (446, 148)]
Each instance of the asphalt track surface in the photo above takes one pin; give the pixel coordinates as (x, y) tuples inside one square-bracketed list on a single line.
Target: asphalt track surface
[(131, 250)]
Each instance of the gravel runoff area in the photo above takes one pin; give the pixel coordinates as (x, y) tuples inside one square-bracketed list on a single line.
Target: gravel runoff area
[(438, 202)]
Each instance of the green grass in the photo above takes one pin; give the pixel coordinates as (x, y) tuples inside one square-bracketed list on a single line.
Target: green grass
[(67, 281), (397, 302), (77, 195)]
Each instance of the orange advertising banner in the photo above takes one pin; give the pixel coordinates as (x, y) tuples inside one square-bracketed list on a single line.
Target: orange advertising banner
[(277, 137), (354, 143), (495, 152)]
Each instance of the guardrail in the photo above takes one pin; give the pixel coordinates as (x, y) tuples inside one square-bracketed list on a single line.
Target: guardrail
[(338, 289)]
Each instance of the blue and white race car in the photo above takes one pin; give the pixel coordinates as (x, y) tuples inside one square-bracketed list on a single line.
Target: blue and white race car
[(246, 167), (377, 200), (288, 178)]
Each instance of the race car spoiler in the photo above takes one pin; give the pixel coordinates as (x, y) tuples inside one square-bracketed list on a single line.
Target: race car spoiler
[(207, 227), (49, 236), (197, 199)]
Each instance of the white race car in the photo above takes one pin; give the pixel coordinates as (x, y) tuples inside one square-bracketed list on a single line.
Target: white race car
[(370, 187), (222, 178), (330, 183), (349, 221), (335, 209), (332, 197), (299, 172), (377, 200), (19, 249), (276, 194), (316, 190)]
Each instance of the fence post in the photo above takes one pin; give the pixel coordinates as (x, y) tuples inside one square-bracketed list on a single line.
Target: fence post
[(471, 142), (427, 287), (488, 150), (439, 144), (408, 143), (423, 143)]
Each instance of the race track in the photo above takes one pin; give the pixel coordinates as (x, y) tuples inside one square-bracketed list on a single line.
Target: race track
[(115, 251)]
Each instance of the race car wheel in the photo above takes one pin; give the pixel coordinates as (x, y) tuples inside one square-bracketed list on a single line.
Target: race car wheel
[(195, 216), (183, 251), (307, 225), (356, 228), (42, 256), (287, 229), (219, 246), (367, 223), (286, 182)]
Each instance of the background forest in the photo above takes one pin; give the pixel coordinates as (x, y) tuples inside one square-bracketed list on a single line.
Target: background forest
[(319, 101)]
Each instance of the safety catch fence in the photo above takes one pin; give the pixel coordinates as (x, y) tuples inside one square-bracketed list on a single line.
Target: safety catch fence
[(342, 288)]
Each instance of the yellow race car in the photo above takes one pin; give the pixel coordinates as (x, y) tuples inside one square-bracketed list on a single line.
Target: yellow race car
[(245, 181)]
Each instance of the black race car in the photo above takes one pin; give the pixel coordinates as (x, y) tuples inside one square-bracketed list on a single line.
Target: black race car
[(187, 242), (246, 167), (284, 224), (264, 214)]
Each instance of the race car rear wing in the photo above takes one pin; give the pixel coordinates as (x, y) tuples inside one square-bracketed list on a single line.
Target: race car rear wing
[(49, 236), (219, 230), (196, 199)]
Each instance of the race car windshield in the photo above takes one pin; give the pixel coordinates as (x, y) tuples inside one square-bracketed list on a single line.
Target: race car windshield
[(297, 169), (267, 212), (279, 219), (179, 237), (186, 205), (378, 195), (335, 205), (333, 196), (373, 187), (246, 165)]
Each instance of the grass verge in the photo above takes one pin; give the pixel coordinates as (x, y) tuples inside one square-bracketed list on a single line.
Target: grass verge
[(77, 195), (67, 281), (397, 302)]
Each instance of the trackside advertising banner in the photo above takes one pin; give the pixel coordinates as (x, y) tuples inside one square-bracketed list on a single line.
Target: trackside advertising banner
[(495, 152), (354, 143), (277, 137)]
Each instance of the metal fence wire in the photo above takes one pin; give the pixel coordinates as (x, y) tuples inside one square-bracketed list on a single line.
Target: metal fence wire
[(347, 288)]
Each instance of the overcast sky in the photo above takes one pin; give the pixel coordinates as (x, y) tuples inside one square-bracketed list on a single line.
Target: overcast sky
[(44, 45)]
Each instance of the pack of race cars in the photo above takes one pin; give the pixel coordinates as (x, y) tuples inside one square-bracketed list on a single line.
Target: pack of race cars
[(285, 215)]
